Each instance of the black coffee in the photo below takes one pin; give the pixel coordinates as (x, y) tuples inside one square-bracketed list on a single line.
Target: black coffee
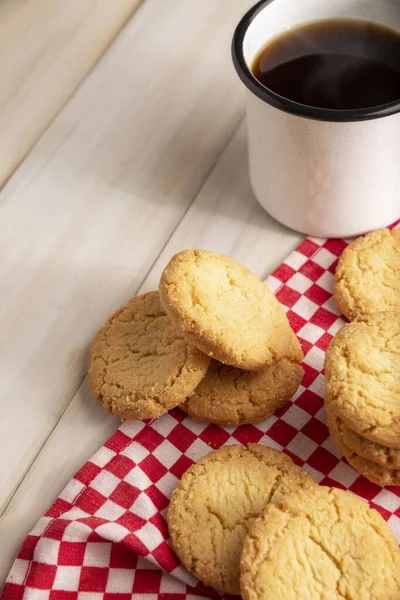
[(333, 64)]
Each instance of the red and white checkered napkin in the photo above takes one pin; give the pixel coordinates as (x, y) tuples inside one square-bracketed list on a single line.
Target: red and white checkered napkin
[(106, 538)]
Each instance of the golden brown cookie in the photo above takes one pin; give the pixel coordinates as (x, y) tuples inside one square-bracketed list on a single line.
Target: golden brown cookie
[(382, 455), (371, 470), (230, 396), (320, 543), (362, 376), (140, 364), (367, 278), (226, 311), (215, 503)]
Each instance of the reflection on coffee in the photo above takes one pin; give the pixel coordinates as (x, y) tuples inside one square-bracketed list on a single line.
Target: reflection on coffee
[(336, 64)]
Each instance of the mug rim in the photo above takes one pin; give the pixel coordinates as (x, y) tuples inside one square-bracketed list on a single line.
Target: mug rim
[(290, 106)]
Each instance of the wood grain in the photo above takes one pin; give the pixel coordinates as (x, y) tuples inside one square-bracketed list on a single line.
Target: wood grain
[(86, 215), (225, 218), (47, 49)]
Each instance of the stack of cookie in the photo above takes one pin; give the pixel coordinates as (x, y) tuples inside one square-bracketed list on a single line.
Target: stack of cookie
[(362, 378), (213, 339), (252, 522), (362, 365)]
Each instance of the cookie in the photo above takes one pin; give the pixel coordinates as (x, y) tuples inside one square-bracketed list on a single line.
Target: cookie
[(140, 363), (371, 470), (230, 396), (226, 311), (367, 278), (320, 543), (382, 455), (215, 503), (362, 377)]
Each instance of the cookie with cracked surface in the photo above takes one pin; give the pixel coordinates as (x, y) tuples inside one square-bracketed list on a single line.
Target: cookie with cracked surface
[(215, 503), (226, 311), (230, 396), (369, 469), (362, 377), (382, 455), (140, 363), (320, 543), (367, 278)]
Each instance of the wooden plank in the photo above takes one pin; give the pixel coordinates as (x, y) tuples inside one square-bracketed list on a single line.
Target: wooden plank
[(48, 47), (225, 218), (94, 203)]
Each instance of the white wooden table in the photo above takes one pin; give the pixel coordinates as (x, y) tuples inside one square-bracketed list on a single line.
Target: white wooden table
[(116, 150)]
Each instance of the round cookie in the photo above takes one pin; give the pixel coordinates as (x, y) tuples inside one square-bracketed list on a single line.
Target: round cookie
[(320, 543), (367, 278), (369, 469), (140, 364), (229, 396), (382, 455), (215, 503), (362, 377), (226, 311)]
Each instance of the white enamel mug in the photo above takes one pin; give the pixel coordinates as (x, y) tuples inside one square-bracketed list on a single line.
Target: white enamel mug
[(326, 173)]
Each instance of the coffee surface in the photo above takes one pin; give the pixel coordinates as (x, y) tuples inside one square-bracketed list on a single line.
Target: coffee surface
[(338, 64)]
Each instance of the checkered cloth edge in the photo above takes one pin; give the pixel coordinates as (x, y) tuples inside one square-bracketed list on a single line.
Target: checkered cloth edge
[(106, 538)]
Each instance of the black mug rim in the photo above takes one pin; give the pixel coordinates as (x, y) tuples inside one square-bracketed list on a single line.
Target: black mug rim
[(284, 104)]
